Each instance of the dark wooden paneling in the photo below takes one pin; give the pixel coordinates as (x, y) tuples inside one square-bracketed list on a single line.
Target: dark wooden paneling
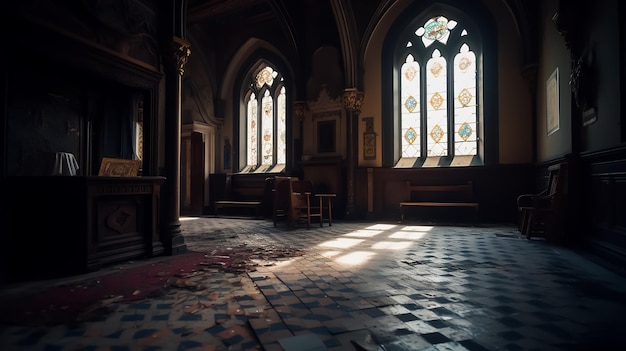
[(604, 206), (66, 225), (495, 188)]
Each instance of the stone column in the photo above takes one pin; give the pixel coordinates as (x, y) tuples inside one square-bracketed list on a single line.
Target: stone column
[(174, 69), (299, 108), (352, 101)]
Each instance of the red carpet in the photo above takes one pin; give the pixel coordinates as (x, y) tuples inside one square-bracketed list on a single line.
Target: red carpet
[(81, 299)]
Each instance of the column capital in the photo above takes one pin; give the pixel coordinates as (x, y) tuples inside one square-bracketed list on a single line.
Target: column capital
[(352, 99), (181, 50), (298, 109)]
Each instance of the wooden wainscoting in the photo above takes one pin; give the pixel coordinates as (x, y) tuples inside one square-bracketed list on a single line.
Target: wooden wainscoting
[(495, 188), (603, 206)]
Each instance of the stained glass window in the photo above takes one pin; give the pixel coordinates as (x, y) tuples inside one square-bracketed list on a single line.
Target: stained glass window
[(268, 129), (266, 124), (438, 91), (266, 76), (437, 111), (410, 82), (281, 128), (465, 102), (252, 130)]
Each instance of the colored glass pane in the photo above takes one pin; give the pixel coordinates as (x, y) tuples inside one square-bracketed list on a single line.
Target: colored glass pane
[(411, 114), (436, 29), (410, 104), (410, 136), (266, 76), (281, 128), (437, 112), (465, 108), (465, 132), (267, 143), (252, 131), (436, 134), (464, 97)]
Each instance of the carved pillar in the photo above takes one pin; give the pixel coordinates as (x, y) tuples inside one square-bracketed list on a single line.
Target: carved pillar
[(352, 101), (299, 107), (174, 69)]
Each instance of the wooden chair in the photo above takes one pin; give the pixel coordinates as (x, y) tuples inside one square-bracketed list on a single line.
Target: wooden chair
[(304, 204), (282, 198), (540, 215)]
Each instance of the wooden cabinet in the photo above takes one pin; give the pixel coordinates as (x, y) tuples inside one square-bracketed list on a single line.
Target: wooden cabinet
[(69, 225)]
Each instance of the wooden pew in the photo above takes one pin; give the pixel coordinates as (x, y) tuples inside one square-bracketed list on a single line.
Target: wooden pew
[(243, 191), (457, 195)]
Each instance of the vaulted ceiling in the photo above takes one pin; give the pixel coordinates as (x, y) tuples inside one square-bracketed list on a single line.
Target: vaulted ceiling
[(297, 28)]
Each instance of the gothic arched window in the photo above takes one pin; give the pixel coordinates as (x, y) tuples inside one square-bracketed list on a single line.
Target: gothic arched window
[(437, 110), (265, 125)]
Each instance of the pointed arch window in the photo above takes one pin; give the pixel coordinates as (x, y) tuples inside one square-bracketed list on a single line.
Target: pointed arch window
[(439, 94), (265, 125)]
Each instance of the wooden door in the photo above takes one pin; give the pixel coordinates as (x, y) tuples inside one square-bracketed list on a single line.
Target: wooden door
[(192, 174)]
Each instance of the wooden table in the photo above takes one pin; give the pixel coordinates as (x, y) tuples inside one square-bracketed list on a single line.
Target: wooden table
[(328, 198)]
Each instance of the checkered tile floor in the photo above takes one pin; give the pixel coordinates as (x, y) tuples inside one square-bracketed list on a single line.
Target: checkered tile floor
[(363, 286)]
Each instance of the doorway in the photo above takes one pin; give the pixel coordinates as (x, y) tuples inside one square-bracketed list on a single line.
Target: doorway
[(192, 174)]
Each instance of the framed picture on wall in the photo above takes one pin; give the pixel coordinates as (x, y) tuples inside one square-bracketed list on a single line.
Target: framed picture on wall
[(552, 102), (326, 136), (326, 132)]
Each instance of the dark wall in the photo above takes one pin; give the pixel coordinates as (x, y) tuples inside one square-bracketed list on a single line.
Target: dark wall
[(44, 115), (51, 108), (603, 210), (495, 188)]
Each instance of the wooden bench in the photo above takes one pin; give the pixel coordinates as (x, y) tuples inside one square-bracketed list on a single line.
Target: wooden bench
[(459, 195), (243, 191), (255, 205)]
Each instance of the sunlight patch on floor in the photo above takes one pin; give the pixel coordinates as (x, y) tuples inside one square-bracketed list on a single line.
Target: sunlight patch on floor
[(392, 245), (364, 233), (392, 237), (331, 253), (188, 218), (341, 243), (407, 235), (381, 227), (355, 257)]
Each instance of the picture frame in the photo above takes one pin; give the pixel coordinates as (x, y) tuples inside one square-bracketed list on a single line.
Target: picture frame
[(552, 103), (118, 167), (326, 131), (326, 136), (369, 139)]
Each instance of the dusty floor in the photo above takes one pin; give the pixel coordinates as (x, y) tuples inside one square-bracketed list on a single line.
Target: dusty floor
[(353, 286)]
